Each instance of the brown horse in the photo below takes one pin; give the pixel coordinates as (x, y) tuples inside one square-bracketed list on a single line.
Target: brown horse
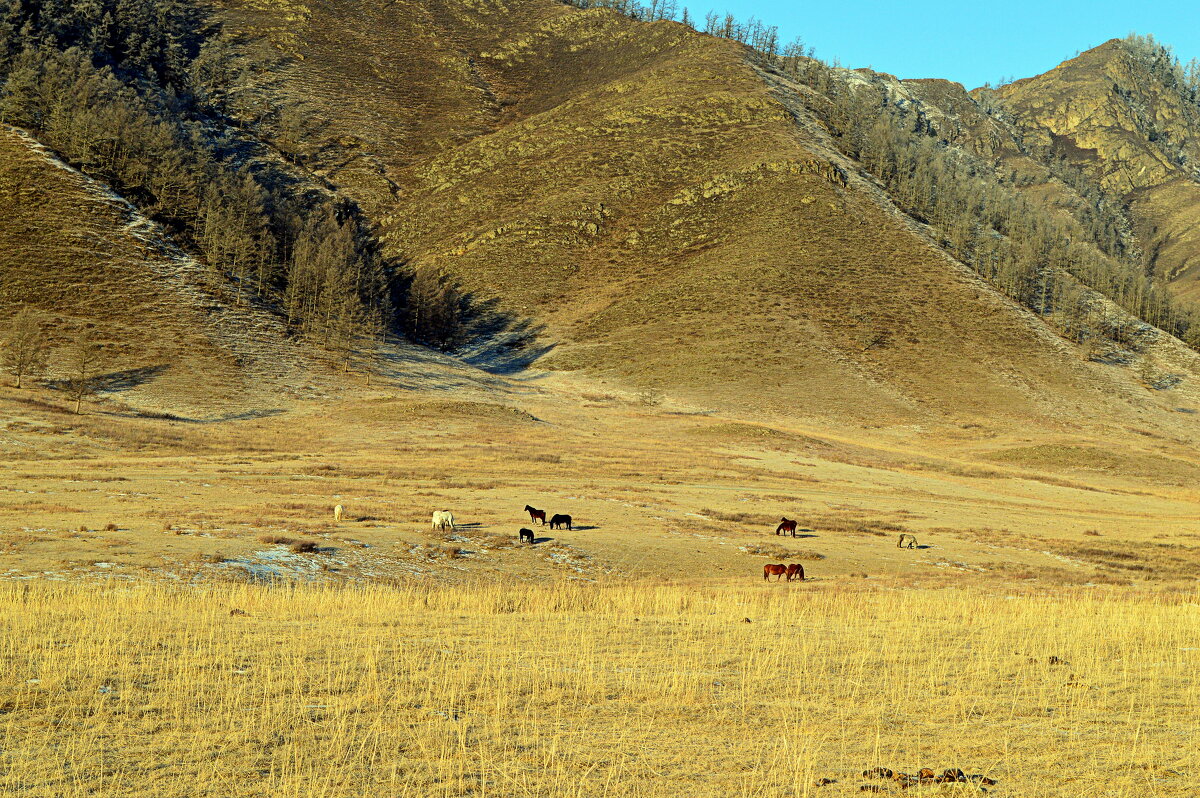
[(795, 570), (535, 514), (786, 525), (776, 571)]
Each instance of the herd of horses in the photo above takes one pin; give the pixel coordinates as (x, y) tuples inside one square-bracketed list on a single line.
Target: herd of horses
[(556, 521), (791, 571), (444, 519)]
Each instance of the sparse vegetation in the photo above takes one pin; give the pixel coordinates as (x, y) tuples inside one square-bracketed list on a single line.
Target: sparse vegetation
[(24, 345)]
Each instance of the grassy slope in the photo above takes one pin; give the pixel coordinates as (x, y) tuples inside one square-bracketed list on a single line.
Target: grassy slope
[(637, 189), (89, 261)]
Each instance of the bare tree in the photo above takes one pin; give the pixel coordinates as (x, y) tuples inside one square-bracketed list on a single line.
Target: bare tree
[(83, 365), (26, 349)]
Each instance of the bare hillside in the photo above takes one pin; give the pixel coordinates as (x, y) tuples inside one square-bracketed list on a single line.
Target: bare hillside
[(89, 261), (642, 195)]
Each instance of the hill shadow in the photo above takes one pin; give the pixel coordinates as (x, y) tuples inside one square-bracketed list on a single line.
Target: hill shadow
[(127, 379), (245, 415), (115, 381), (498, 341)]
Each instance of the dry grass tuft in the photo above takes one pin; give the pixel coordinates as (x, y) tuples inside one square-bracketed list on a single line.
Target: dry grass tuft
[(780, 553)]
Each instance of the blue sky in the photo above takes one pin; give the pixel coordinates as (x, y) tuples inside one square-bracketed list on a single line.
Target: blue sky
[(969, 41)]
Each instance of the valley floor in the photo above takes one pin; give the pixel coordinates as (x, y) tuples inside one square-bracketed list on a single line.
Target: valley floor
[(166, 634)]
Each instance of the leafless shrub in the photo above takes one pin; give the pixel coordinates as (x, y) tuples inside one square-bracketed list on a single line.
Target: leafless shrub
[(282, 540), (304, 547)]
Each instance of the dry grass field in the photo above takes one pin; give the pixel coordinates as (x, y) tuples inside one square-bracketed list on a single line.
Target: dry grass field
[(167, 633), (693, 316), (610, 689)]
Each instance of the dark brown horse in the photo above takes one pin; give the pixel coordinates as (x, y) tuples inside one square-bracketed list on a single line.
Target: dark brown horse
[(525, 534), (776, 571), (786, 526), (557, 521), (535, 514), (795, 570)]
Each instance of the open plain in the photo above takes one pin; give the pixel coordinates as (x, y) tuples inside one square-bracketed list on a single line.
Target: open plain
[(167, 632)]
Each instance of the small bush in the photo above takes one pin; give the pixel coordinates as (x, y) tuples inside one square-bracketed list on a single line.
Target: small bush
[(276, 539), (110, 527), (304, 547)]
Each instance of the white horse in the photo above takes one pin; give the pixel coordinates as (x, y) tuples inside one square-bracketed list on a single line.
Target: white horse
[(443, 519), (337, 512)]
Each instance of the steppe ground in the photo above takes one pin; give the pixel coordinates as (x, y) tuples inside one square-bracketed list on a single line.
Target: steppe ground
[(161, 636)]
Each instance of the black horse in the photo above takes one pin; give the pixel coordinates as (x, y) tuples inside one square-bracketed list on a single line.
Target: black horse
[(535, 514), (526, 534), (560, 520)]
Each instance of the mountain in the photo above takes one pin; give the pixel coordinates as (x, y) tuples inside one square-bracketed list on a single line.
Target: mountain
[(1127, 118), (668, 210)]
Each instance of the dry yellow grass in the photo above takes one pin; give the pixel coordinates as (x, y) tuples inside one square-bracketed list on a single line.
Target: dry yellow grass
[(625, 689)]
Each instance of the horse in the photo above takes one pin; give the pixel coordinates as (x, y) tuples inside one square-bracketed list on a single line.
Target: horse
[(786, 526), (557, 521), (795, 570), (525, 534), (774, 570), (443, 519), (912, 541), (337, 512), (535, 514)]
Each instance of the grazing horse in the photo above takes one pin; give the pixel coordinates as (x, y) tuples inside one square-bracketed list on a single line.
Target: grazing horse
[(535, 514), (525, 534), (557, 521), (443, 519), (776, 571), (795, 570), (904, 536), (786, 526)]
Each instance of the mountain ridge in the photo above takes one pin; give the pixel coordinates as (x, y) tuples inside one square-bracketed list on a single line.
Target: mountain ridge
[(668, 209)]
